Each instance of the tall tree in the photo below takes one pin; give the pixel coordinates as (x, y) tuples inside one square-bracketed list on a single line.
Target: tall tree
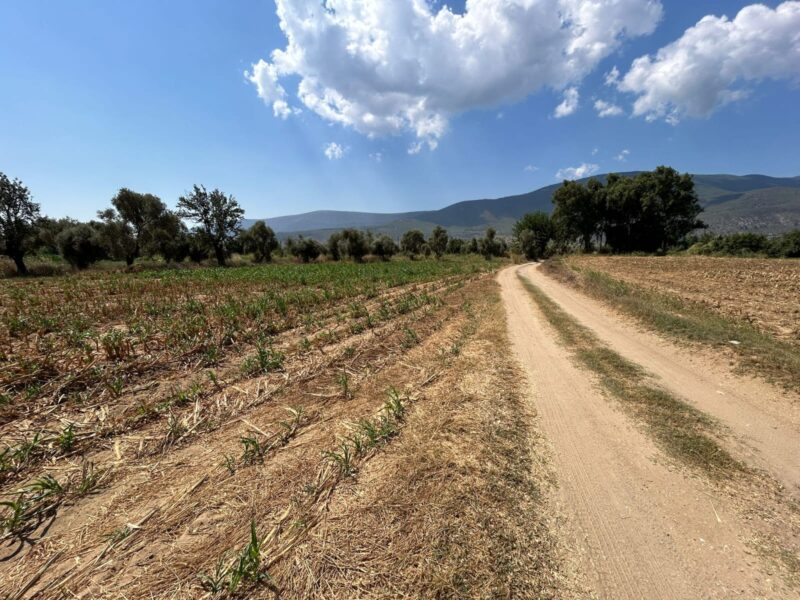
[(577, 210), (531, 234), (139, 215), (489, 246), (217, 215), (18, 215), (438, 241), (651, 211)]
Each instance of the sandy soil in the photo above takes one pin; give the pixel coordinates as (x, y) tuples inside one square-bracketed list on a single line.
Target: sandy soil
[(642, 526), (762, 291), (765, 418)]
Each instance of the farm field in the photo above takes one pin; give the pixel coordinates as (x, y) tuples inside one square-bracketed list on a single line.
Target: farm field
[(763, 292), (302, 430)]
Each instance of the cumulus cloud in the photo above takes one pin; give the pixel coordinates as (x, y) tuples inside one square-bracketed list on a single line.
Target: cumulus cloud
[(377, 156), (530, 168), (595, 151), (334, 151), (622, 156), (714, 62), (569, 105), (409, 65), (579, 172), (607, 109), (265, 77)]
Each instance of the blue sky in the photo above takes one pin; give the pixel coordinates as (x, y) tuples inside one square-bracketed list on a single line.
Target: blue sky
[(152, 95)]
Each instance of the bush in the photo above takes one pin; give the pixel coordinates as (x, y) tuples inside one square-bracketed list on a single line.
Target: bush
[(786, 246), (80, 246), (384, 247), (305, 249)]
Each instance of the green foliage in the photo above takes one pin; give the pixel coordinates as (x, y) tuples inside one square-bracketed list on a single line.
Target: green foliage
[(748, 244), (349, 243), (412, 241), (217, 215), (18, 214), (650, 212), (786, 245), (261, 241), (305, 249), (137, 222), (438, 241), (456, 246), (578, 210), (245, 568), (532, 233), (489, 246), (81, 245), (265, 360), (384, 247)]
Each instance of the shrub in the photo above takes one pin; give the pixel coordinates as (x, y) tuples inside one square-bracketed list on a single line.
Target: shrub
[(384, 247), (80, 246)]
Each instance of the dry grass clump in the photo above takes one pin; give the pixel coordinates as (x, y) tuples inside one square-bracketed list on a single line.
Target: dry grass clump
[(210, 475), (455, 507), (756, 343)]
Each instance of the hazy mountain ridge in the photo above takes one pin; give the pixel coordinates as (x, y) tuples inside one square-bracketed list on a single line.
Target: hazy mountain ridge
[(758, 203)]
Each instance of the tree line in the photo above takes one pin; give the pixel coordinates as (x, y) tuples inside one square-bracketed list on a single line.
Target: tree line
[(652, 212), (139, 225), (649, 212)]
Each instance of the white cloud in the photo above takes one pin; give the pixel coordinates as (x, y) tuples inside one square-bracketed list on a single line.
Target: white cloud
[(569, 105), (595, 151), (531, 169), (612, 77), (622, 156), (334, 151), (607, 109), (579, 172), (714, 61), (408, 65), (377, 156), (415, 148), (265, 77)]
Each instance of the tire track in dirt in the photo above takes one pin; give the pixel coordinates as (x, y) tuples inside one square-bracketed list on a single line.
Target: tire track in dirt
[(762, 416), (642, 529)]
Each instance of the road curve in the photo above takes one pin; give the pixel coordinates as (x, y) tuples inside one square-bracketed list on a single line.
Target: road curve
[(640, 527)]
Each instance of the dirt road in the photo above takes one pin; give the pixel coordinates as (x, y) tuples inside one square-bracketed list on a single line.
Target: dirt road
[(641, 526)]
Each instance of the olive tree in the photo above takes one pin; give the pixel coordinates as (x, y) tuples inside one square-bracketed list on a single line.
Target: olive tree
[(261, 241), (438, 241), (531, 234), (218, 217), (384, 247), (18, 216), (412, 242)]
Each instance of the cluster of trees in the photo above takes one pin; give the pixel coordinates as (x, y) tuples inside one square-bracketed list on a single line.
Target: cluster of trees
[(134, 225), (650, 212), (140, 225), (747, 244), (355, 244)]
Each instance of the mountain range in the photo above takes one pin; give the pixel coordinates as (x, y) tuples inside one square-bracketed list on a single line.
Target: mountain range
[(731, 203)]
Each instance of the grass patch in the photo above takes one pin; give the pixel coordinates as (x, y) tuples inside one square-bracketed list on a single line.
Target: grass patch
[(758, 353), (684, 432)]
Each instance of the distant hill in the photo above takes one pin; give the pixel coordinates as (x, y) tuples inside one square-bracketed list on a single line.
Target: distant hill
[(755, 203)]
